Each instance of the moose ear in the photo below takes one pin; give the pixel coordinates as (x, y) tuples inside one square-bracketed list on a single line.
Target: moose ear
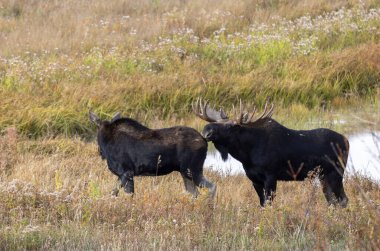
[(116, 117), (94, 118)]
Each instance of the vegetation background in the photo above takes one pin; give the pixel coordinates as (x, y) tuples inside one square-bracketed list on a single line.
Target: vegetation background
[(319, 61)]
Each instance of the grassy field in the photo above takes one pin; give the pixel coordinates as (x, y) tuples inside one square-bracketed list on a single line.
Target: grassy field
[(319, 61), (55, 194)]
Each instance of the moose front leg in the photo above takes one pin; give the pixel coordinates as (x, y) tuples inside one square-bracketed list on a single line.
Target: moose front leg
[(127, 182), (260, 192), (270, 186), (117, 170)]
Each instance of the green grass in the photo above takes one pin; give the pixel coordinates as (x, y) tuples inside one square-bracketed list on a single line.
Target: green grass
[(327, 60), (62, 107)]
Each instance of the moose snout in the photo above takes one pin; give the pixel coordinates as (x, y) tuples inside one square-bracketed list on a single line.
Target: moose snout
[(207, 134)]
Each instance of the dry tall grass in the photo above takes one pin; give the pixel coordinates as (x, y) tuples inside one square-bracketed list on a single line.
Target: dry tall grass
[(56, 195)]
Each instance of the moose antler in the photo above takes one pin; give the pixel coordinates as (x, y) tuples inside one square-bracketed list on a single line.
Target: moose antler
[(267, 113), (246, 117), (205, 112)]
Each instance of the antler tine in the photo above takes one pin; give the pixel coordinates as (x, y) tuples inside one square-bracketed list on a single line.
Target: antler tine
[(195, 107), (204, 107), (198, 105), (270, 112), (265, 110), (241, 115), (202, 110), (211, 114), (244, 117), (249, 119), (267, 113)]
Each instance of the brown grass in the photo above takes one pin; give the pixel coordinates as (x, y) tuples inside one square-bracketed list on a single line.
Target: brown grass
[(56, 195)]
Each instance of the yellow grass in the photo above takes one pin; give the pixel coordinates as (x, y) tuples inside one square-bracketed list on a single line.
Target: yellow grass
[(56, 194)]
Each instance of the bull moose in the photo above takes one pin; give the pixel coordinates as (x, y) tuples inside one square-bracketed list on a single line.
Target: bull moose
[(270, 152), (132, 149)]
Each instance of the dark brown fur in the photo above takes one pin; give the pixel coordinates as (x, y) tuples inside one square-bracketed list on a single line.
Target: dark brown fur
[(270, 152), (132, 149)]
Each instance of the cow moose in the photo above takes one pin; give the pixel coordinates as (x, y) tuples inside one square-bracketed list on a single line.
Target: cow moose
[(270, 152), (132, 149)]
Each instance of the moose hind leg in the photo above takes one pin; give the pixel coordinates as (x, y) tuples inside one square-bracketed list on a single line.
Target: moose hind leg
[(327, 191), (259, 188), (332, 185), (190, 185), (128, 183), (335, 182), (342, 197), (193, 169), (201, 181)]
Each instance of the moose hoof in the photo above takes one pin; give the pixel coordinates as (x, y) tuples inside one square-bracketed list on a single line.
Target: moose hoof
[(129, 195), (129, 191), (212, 191), (115, 192)]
